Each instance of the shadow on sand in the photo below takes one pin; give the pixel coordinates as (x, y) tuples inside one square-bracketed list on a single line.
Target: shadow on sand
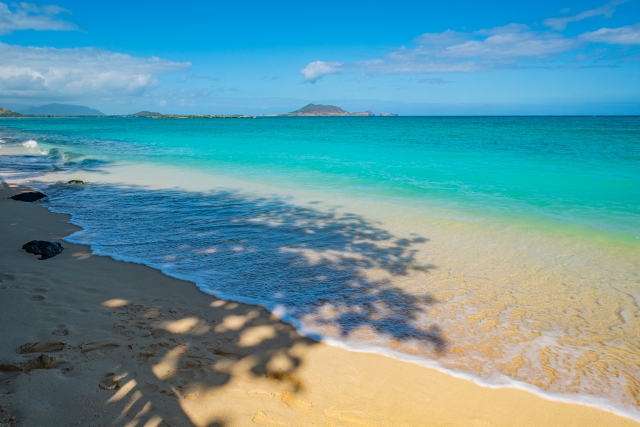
[(336, 269)]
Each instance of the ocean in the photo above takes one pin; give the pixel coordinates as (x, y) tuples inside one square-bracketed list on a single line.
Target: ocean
[(502, 249)]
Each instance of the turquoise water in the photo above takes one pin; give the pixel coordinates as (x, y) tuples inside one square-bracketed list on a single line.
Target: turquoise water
[(579, 171), (504, 248)]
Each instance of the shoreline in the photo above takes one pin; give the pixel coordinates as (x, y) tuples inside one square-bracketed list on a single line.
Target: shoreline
[(504, 382), (181, 357)]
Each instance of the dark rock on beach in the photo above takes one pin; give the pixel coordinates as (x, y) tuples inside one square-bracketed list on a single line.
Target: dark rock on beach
[(31, 196), (43, 248)]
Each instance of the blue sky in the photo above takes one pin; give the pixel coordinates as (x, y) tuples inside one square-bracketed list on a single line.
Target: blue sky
[(407, 57)]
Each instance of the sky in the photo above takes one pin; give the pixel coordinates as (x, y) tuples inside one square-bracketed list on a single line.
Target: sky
[(449, 57)]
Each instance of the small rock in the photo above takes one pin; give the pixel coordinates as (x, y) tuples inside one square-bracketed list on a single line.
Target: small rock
[(31, 196), (43, 248), (75, 181)]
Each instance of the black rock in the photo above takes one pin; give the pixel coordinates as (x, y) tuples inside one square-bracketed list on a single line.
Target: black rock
[(44, 249), (31, 196)]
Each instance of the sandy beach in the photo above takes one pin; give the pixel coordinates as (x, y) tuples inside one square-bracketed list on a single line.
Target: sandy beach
[(90, 341)]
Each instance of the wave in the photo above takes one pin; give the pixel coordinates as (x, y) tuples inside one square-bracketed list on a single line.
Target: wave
[(30, 144)]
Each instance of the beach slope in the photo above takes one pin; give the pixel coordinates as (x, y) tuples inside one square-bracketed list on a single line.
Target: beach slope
[(90, 341)]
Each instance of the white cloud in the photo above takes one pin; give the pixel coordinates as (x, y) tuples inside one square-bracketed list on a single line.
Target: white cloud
[(622, 35), (445, 38), (604, 10), (313, 71), (505, 29), (26, 16), (412, 62), (456, 52), (49, 73), (512, 46)]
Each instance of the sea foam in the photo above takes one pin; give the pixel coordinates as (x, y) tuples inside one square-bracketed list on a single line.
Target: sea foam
[(30, 144)]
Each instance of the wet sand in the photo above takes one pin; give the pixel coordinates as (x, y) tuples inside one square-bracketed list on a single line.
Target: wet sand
[(90, 341)]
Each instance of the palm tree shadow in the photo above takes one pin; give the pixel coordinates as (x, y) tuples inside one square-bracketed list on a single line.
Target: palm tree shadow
[(339, 270)]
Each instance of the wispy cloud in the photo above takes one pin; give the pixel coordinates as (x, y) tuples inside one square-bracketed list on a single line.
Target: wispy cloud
[(434, 81), (188, 77), (505, 29), (445, 38), (414, 61), (457, 52), (621, 35), (27, 16), (509, 46), (605, 10), (512, 45), (30, 72)]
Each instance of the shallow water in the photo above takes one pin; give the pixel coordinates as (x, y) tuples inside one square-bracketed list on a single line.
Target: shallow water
[(503, 248)]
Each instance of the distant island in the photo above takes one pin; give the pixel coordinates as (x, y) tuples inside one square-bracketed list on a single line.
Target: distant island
[(177, 116), (148, 114), (319, 110), (145, 113), (326, 110), (61, 110), (78, 111), (6, 113)]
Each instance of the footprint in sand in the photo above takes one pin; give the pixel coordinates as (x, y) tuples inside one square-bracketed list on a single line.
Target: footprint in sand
[(122, 330), (6, 277), (98, 345), (262, 418), (109, 382), (219, 351), (40, 362), (7, 418), (293, 402), (61, 330), (42, 346), (142, 357)]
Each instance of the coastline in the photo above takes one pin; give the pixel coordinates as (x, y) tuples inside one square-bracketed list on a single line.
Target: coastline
[(180, 357)]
